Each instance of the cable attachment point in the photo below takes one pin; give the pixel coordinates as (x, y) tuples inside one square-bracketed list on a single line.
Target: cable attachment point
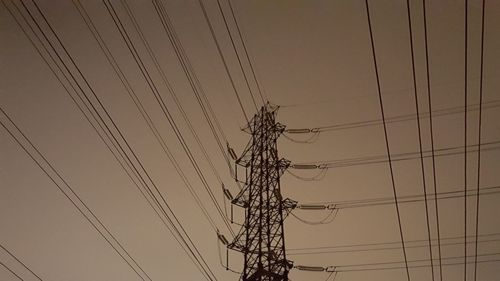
[(304, 166), (227, 193), (310, 268), (323, 166), (222, 238), (298, 131), (231, 152), (332, 207), (331, 268), (312, 207)]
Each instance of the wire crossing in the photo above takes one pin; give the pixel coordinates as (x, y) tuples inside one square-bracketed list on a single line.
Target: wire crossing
[(261, 238)]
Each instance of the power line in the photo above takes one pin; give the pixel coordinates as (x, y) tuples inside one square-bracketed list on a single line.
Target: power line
[(193, 80), (386, 137), (238, 55), (84, 210), (334, 274), (422, 167), (396, 157), (242, 39), (139, 105), (333, 249), (375, 266), (479, 135), (465, 132), (95, 114), (404, 200), (11, 271), (58, 185), (226, 67), (387, 243), (136, 100), (171, 90), (20, 262), (412, 198), (432, 135), (329, 218), (410, 266), (492, 104), (121, 135), (165, 110)]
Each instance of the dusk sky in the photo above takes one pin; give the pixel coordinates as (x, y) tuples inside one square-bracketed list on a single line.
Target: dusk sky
[(116, 118)]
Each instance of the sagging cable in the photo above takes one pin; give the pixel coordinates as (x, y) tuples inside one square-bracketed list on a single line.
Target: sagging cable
[(313, 138), (329, 218), (319, 176)]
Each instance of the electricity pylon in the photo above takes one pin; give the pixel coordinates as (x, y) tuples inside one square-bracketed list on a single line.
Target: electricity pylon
[(262, 239)]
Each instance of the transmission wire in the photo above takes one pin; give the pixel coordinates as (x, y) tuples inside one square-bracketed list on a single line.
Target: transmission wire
[(21, 262), (93, 115), (111, 10), (10, 270), (432, 135), (240, 34), (238, 55), (193, 80), (226, 67), (465, 132), (479, 135), (422, 167), (386, 137)]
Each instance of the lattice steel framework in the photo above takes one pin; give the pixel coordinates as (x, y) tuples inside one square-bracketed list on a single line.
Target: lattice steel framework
[(261, 239)]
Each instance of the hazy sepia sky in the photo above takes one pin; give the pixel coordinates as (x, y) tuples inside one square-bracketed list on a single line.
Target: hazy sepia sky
[(312, 58)]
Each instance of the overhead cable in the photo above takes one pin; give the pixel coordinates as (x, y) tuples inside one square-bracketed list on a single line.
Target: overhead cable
[(431, 129), (383, 265), (89, 110), (388, 244), (11, 271), (21, 262), (466, 31), (329, 218), (396, 157), (194, 82), (417, 111), (67, 190), (130, 91), (166, 112), (242, 39), (374, 57), (481, 83), (357, 249), (238, 56), (491, 104), (226, 67)]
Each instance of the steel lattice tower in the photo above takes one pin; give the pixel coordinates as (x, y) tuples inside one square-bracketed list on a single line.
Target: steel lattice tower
[(261, 239)]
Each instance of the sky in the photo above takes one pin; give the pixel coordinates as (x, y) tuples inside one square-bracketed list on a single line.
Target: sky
[(72, 206)]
